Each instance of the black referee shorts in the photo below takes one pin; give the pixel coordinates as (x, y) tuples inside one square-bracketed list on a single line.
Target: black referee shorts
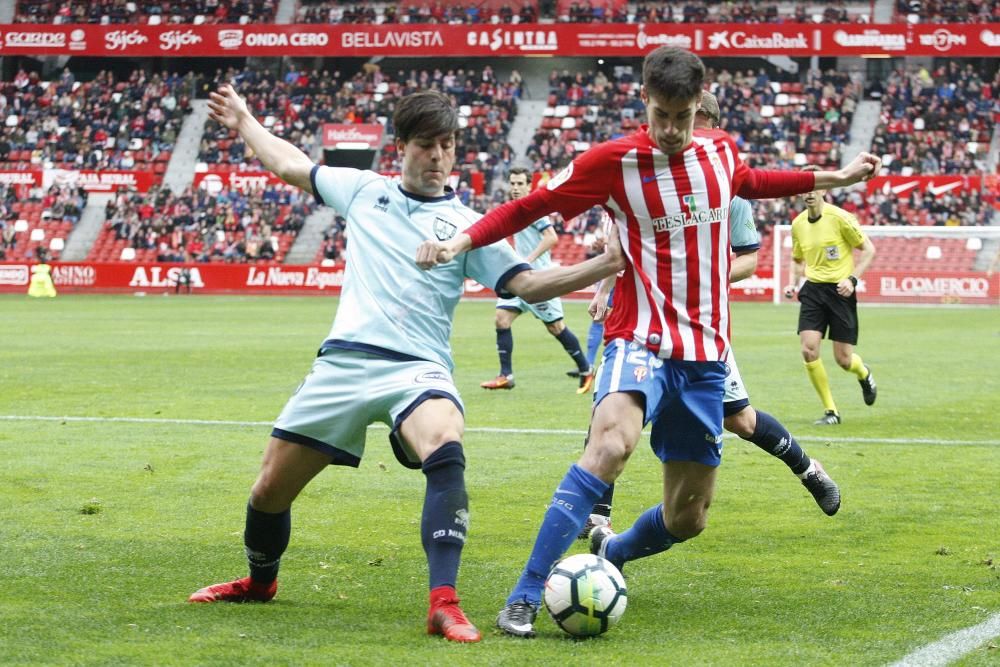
[(822, 308)]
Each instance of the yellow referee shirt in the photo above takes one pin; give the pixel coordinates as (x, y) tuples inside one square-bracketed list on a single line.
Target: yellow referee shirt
[(826, 245)]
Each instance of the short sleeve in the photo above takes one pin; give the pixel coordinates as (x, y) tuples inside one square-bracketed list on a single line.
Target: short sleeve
[(542, 224), (851, 230), (796, 245), (494, 265), (743, 235), (336, 187)]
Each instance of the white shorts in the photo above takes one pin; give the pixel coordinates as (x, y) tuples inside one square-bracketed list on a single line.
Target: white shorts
[(736, 397), (547, 311), (346, 390)]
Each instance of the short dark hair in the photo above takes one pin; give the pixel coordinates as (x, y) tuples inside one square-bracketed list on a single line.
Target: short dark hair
[(424, 114), (516, 171), (674, 74)]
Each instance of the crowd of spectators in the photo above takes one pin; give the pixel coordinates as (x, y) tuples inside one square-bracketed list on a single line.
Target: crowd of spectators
[(948, 11), (105, 123), (712, 11), (295, 106), (775, 121), (773, 128), (199, 226), (113, 12), (58, 207), (936, 122), (583, 11), (332, 12)]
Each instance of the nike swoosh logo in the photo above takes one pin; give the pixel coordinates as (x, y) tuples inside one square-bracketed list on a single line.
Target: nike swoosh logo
[(648, 179), (568, 493), (941, 189), (526, 627)]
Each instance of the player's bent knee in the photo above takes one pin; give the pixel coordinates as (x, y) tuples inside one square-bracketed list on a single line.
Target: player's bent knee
[(688, 523), (740, 424), (606, 458), (269, 495)]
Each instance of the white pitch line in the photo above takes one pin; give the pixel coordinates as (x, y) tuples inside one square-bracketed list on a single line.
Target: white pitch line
[(473, 429), (952, 647)]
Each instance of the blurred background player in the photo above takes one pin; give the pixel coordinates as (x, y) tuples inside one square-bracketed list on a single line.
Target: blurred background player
[(739, 417), (534, 243), (824, 237), (389, 337), (41, 284), (595, 334)]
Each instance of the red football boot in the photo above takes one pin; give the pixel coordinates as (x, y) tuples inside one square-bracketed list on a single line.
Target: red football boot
[(447, 618), (241, 590)]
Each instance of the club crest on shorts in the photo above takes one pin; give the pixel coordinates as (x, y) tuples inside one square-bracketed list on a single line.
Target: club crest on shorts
[(640, 373), (443, 229)]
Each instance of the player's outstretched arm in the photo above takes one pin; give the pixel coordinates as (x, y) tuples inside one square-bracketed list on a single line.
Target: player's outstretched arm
[(277, 155), (743, 266), (535, 286), (864, 167)]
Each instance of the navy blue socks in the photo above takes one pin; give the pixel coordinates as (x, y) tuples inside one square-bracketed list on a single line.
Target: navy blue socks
[(775, 439), (445, 520), (266, 538), (572, 347), (505, 348)]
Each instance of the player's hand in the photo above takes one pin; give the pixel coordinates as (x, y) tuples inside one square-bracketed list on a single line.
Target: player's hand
[(789, 291), (862, 168), (599, 244), (432, 253), (226, 107), (845, 288), (598, 307)]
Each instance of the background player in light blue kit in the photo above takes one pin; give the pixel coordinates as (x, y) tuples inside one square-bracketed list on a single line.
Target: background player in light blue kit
[(534, 243), (387, 357)]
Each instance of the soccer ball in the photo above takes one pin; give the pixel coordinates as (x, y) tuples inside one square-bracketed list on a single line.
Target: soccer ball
[(585, 595)]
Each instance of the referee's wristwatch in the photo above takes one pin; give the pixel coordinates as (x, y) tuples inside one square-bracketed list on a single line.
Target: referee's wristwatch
[(853, 279)]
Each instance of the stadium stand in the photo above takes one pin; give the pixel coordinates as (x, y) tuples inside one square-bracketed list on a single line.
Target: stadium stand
[(938, 122), (948, 11), (115, 12), (31, 227), (201, 226), (586, 11), (106, 123)]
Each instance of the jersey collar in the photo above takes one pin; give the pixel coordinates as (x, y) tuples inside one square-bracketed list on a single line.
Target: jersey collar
[(448, 194)]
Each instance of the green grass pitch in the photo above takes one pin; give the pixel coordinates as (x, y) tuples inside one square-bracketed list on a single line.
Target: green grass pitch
[(107, 526)]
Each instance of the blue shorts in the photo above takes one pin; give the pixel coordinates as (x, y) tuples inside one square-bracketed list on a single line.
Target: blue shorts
[(683, 399)]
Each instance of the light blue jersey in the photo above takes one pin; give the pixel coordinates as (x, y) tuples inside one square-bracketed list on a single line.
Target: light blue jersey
[(743, 235), (388, 305), (526, 240)]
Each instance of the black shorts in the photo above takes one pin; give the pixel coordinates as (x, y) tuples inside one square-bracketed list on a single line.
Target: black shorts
[(823, 308)]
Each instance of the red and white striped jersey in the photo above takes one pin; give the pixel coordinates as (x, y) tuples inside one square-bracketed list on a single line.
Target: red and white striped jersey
[(672, 215)]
